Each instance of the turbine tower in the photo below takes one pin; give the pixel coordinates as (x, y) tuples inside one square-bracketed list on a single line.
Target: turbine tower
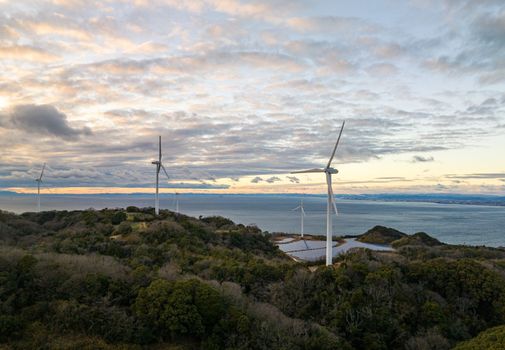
[(302, 214), (328, 170), (177, 202), (39, 181), (159, 166)]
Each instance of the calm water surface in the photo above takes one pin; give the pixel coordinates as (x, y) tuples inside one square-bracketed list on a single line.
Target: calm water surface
[(450, 223)]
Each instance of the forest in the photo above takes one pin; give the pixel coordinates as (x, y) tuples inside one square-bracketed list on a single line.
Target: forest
[(126, 279)]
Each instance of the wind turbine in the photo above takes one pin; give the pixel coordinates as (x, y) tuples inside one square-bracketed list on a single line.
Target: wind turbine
[(177, 202), (302, 214), (328, 170), (159, 166), (39, 181)]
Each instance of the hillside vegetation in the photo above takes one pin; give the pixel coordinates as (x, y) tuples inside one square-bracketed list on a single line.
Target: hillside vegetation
[(491, 339), (381, 235), (124, 279)]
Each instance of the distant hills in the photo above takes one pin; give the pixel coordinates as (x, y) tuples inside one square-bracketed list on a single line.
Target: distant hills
[(441, 198), (387, 235), (381, 235)]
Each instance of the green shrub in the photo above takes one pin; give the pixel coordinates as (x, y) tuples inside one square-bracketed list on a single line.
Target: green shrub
[(181, 308), (118, 217)]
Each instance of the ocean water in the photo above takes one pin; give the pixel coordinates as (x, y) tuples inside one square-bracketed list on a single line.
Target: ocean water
[(450, 223)]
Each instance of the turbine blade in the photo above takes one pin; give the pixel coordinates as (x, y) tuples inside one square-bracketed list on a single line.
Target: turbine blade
[(159, 148), (47, 188), (303, 211), (165, 171), (333, 198), (308, 171), (298, 207), (42, 172), (336, 145)]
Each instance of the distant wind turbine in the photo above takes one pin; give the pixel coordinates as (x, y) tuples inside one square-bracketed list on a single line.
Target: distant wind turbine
[(302, 214), (328, 170), (159, 166), (39, 182)]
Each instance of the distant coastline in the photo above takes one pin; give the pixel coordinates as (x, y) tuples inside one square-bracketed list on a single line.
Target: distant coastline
[(438, 198)]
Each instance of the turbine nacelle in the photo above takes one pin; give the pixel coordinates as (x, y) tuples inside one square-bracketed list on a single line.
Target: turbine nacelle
[(331, 171)]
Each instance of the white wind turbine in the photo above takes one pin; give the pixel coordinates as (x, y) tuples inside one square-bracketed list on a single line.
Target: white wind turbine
[(302, 214), (159, 166), (328, 170), (39, 181), (177, 202)]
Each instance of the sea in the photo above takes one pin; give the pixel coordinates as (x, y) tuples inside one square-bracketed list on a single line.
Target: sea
[(450, 223)]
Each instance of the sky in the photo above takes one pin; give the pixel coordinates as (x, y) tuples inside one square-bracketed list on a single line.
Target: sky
[(244, 92)]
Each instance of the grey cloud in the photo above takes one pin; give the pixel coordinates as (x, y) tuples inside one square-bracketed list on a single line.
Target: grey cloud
[(44, 119), (195, 186), (273, 179), (489, 101), (440, 187), (480, 33), (256, 180), (491, 28), (421, 159), (478, 176), (489, 106), (293, 179)]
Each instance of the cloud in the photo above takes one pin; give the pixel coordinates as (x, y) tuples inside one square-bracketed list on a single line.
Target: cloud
[(195, 186), (478, 176), (270, 11), (421, 159), (238, 88), (293, 179), (490, 28), (475, 43), (44, 28), (334, 24), (44, 119), (441, 187), (273, 179), (382, 69), (256, 180), (25, 52)]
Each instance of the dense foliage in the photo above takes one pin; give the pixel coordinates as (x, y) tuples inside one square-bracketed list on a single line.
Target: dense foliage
[(125, 279), (491, 339)]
